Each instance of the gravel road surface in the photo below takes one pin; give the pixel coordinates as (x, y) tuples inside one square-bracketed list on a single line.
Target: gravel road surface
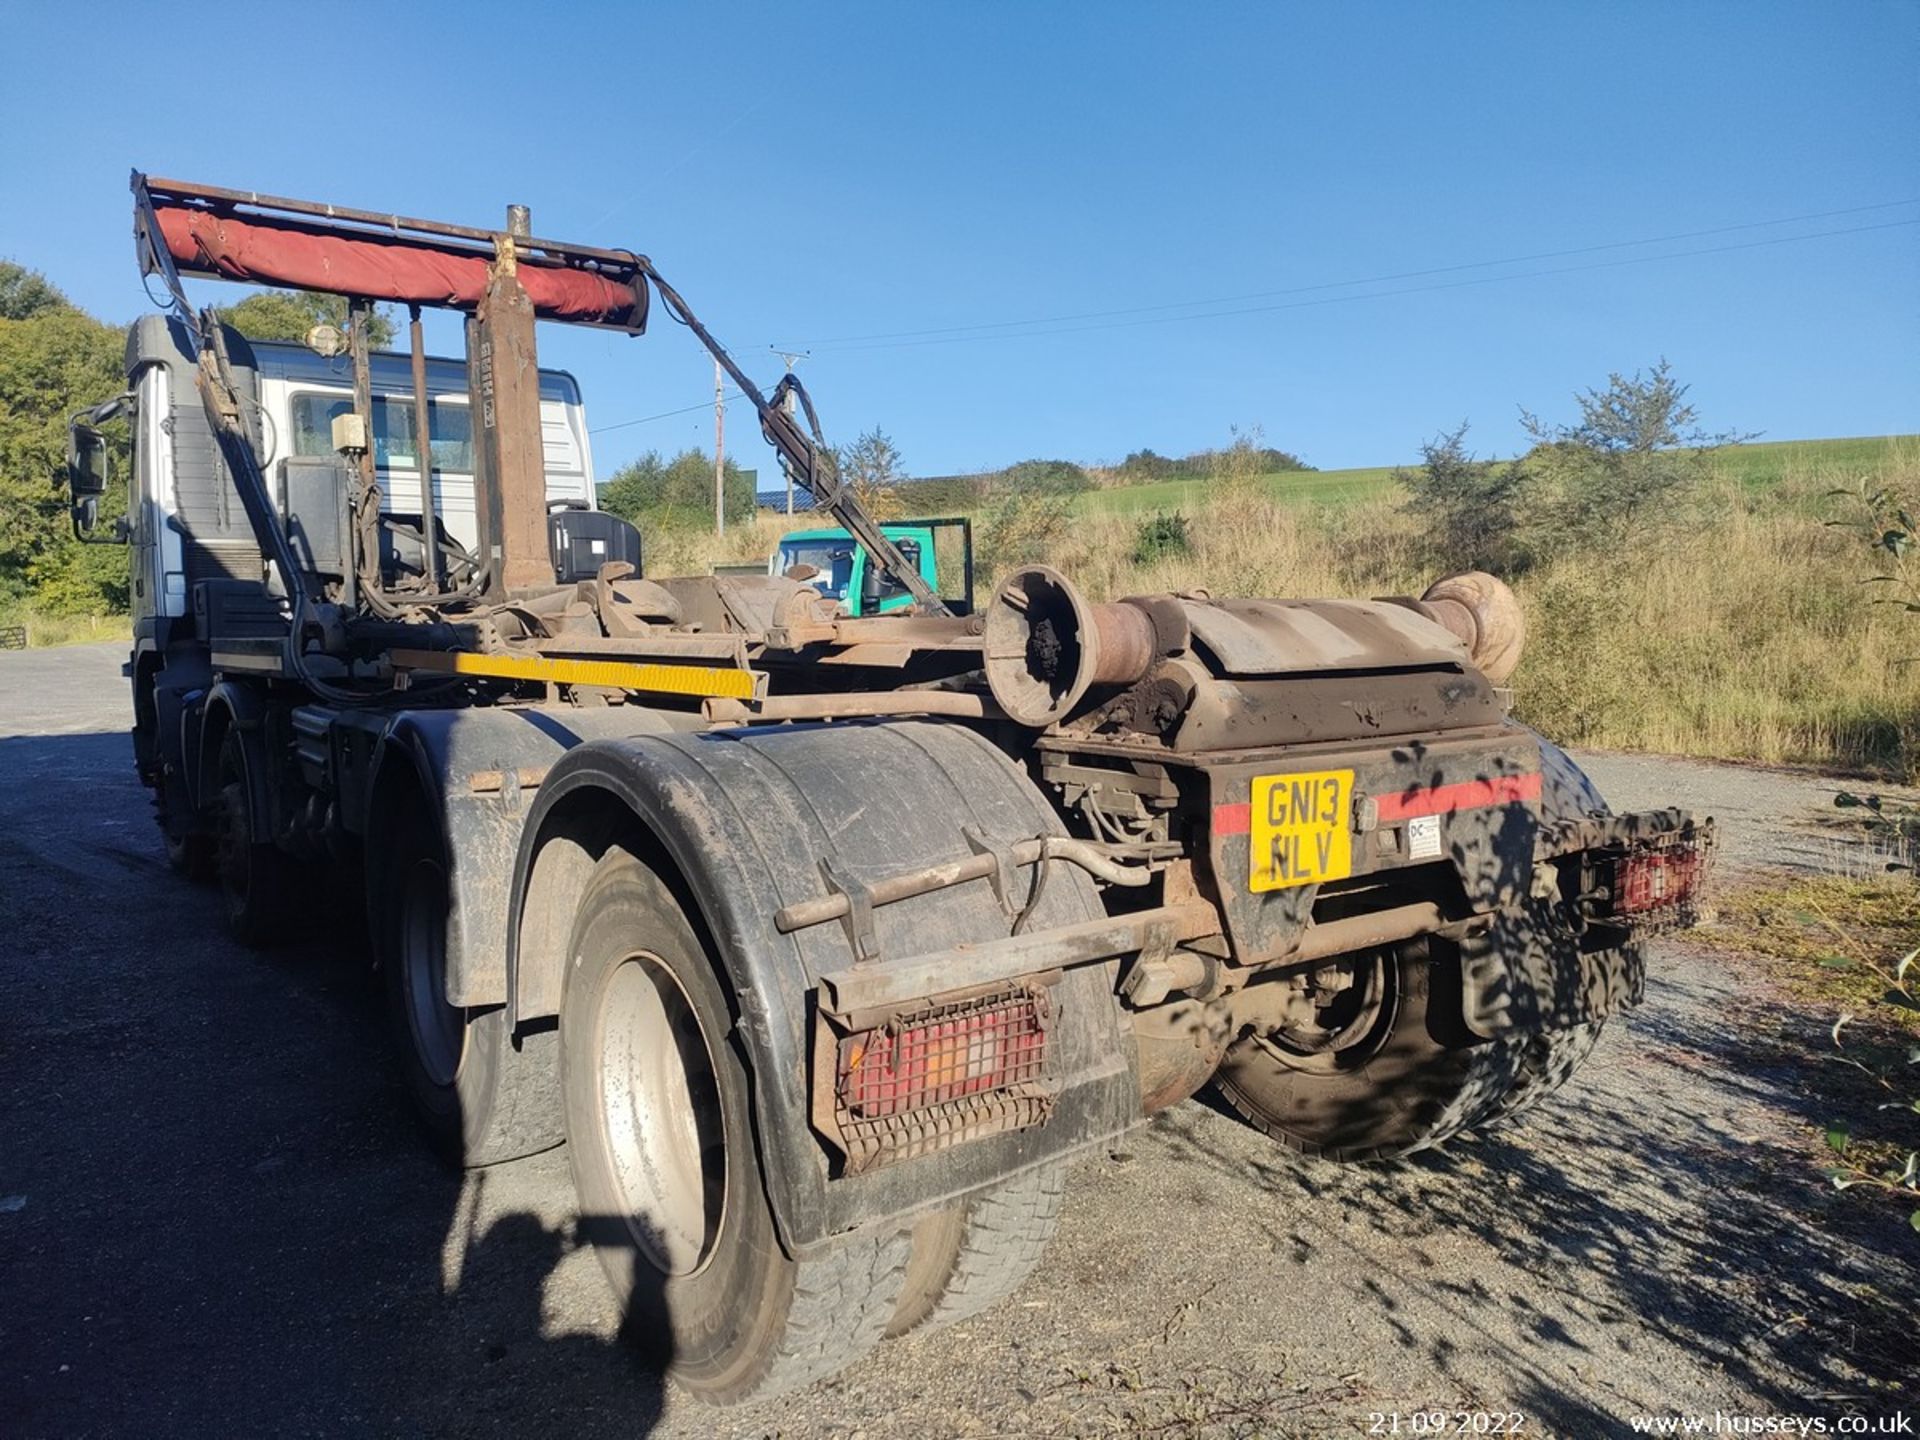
[(215, 1218)]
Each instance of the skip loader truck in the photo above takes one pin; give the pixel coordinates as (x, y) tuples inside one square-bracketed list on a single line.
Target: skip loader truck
[(823, 941)]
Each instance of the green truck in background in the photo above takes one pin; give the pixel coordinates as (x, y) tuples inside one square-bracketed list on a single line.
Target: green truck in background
[(840, 569)]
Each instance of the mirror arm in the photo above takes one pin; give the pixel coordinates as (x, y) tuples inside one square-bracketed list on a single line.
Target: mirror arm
[(122, 531), (103, 412)]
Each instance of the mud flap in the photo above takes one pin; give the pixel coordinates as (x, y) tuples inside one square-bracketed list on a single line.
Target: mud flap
[(1531, 972), (478, 770)]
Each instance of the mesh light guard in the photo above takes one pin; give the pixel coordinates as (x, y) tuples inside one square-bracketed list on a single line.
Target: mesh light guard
[(1659, 882), (942, 1075)]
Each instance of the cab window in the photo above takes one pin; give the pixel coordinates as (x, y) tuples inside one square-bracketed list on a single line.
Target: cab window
[(393, 443), (832, 558)]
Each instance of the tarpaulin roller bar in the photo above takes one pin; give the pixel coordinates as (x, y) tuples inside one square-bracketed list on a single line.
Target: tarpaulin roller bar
[(281, 252)]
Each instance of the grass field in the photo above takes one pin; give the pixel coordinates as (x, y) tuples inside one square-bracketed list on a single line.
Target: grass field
[(1753, 466), (1299, 487), (43, 629)]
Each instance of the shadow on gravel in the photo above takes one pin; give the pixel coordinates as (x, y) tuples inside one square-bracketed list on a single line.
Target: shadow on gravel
[(1646, 1212), (217, 1217)]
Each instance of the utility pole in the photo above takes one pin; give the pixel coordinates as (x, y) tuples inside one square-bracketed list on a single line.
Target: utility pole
[(790, 356), (719, 450)]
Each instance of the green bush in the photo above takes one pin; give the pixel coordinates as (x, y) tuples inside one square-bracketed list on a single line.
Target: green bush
[(1636, 462), (54, 361), (1021, 527), (1048, 477), (1161, 537), (662, 494), (1146, 466), (1469, 512)]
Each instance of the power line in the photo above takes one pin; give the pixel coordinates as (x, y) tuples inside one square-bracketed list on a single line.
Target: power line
[(862, 340), (1381, 294), (663, 415)]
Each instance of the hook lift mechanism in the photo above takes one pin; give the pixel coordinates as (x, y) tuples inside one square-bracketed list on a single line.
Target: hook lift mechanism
[(502, 281)]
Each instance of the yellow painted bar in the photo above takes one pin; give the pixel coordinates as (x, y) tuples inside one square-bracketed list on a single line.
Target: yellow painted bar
[(701, 680)]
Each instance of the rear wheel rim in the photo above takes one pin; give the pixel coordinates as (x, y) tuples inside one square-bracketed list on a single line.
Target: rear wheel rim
[(439, 1030), (1359, 1034), (660, 1115)]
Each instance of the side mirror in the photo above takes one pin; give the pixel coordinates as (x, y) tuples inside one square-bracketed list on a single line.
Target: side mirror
[(86, 463), (87, 481)]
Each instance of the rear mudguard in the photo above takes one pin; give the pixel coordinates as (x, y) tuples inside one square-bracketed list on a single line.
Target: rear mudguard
[(745, 818), (1537, 969), (474, 768)]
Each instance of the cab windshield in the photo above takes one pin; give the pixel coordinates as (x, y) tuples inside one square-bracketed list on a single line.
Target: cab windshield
[(832, 558)]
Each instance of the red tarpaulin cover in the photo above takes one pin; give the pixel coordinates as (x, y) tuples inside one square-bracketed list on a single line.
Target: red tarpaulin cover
[(278, 252)]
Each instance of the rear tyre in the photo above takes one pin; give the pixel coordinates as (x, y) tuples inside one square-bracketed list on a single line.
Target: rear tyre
[(257, 880), (660, 1137), (1397, 1089), (481, 1095), (1546, 1061), (971, 1256)]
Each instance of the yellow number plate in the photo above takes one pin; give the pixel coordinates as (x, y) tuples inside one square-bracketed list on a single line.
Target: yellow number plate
[(1301, 829)]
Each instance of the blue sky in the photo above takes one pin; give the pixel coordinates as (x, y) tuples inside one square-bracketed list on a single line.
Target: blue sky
[(812, 175)]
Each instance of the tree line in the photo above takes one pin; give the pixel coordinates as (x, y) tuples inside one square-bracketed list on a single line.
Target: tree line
[(56, 360)]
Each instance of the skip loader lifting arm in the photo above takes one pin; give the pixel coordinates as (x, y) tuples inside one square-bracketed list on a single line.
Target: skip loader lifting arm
[(805, 458)]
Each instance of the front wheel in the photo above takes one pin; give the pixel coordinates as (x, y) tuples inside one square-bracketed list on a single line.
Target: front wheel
[(660, 1137), (258, 881)]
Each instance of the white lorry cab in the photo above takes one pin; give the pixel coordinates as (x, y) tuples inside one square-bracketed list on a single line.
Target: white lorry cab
[(183, 521)]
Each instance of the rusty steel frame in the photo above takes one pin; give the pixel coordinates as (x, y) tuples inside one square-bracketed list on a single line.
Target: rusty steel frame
[(894, 983), (506, 371), (985, 864), (854, 705), (480, 241)]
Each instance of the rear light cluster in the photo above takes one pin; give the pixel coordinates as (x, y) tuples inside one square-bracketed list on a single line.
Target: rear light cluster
[(943, 1074), (943, 1054), (1658, 883)]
